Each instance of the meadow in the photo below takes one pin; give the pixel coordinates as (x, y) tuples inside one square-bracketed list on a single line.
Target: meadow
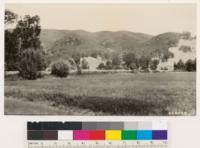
[(169, 93)]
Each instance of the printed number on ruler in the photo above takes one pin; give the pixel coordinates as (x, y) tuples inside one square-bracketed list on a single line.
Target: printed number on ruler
[(97, 144)]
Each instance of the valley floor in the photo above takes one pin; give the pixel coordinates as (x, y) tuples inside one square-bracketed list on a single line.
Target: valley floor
[(170, 93)]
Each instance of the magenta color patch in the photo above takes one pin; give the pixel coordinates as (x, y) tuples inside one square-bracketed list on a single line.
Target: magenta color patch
[(81, 135)]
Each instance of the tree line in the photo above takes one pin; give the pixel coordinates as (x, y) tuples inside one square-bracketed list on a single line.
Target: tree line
[(130, 61), (189, 65)]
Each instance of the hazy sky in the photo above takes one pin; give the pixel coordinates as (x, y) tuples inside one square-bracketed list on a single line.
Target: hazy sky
[(146, 18)]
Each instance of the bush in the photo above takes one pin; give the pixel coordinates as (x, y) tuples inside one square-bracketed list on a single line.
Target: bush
[(133, 66), (179, 66), (108, 65), (144, 62), (101, 66), (185, 48), (60, 68), (28, 66), (85, 64), (190, 65), (154, 64), (130, 60), (116, 62), (186, 35)]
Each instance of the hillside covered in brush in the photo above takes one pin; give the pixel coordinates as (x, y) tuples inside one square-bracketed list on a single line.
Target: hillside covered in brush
[(65, 43)]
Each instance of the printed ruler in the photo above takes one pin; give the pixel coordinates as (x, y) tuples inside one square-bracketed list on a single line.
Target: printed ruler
[(97, 134), (97, 144)]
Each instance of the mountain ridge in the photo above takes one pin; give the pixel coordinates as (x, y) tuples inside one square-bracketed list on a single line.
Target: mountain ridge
[(65, 43)]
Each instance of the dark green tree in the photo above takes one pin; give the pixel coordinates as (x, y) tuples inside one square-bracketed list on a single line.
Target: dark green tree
[(84, 64), (108, 65), (190, 65), (101, 66), (29, 46), (116, 61), (28, 30), (77, 60), (28, 64), (144, 62), (11, 51), (11, 44), (130, 59), (133, 66), (179, 66), (10, 17), (154, 64), (60, 68)]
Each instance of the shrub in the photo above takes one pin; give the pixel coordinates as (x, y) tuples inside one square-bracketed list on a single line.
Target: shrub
[(144, 62), (133, 66), (179, 66), (116, 62), (101, 66), (108, 65), (130, 60), (60, 68), (165, 68), (186, 35), (94, 55), (190, 65), (154, 64), (77, 59), (185, 48), (28, 66), (85, 64)]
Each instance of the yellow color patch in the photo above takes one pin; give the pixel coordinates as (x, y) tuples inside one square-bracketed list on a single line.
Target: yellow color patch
[(113, 134)]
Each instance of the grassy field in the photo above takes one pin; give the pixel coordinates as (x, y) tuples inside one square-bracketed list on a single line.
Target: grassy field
[(104, 94)]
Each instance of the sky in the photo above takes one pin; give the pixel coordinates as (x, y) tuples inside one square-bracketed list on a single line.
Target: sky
[(146, 18)]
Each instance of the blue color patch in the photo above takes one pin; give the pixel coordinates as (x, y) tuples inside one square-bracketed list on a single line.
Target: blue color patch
[(144, 135)]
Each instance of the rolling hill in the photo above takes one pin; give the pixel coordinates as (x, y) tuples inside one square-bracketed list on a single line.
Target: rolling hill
[(65, 43), (161, 43)]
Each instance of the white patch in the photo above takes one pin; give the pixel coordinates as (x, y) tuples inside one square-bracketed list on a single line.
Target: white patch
[(93, 62), (184, 56)]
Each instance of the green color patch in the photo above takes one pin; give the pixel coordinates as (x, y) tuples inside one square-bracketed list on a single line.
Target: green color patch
[(129, 135)]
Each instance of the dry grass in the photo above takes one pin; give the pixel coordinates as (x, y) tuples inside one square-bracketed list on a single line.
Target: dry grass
[(113, 94), (18, 107)]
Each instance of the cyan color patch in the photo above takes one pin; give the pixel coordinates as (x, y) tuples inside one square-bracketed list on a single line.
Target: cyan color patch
[(144, 135)]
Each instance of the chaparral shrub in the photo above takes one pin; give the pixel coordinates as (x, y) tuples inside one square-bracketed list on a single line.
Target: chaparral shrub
[(60, 68), (101, 66)]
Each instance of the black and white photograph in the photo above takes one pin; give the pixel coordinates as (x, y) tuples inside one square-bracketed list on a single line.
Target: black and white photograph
[(100, 59)]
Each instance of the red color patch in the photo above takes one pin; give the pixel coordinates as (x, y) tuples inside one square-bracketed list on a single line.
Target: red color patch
[(97, 135)]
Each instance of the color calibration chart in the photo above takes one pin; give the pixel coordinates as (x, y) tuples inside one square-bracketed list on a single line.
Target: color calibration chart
[(140, 134)]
